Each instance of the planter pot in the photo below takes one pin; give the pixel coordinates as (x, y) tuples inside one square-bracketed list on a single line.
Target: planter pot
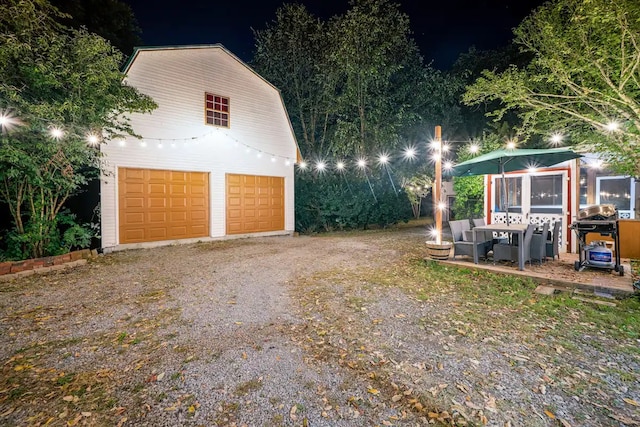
[(439, 251)]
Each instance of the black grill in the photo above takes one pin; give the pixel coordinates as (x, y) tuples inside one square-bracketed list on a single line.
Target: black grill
[(601, 219)]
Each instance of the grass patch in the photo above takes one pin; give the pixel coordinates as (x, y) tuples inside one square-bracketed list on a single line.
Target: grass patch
[(248, 386)]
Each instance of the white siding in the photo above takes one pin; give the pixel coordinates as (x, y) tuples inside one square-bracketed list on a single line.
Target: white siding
[(177, 80)]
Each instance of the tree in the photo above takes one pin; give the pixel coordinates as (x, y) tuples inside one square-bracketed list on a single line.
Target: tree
[(61, 82), (352, 85), (292, 53), (110, 19), (379, 67), (583, 80)]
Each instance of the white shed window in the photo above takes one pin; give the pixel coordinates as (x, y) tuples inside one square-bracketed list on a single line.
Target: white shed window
[(546, 193), (216, 110)]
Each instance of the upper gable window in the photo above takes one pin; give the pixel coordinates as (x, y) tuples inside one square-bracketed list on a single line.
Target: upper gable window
[(216, 109)]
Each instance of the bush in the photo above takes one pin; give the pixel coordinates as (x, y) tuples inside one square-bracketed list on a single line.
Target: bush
[(342, 201)]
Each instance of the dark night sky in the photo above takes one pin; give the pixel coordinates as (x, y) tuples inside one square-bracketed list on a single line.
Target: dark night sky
[(442, 29)]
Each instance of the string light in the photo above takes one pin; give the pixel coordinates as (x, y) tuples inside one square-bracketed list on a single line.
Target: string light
[(383, 159), (8, 121), (362, 163), (92, 139), (340, 165), (410, 153), (556, 139), (612, 126), (56, 133)]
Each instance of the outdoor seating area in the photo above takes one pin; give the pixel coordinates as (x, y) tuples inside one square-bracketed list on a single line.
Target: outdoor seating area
[(501, 242), (543, 262)]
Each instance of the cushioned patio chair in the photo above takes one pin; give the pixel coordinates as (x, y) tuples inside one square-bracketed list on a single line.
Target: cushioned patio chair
[(509, 252), (539, 244), (463, 239), (553, 244)]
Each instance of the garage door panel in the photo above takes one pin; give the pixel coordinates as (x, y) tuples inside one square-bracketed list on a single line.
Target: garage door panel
[(157, 233), (178, 216), (178, 203), (254, 203), (134, 234), (157, 217), (133, 202), (157, 205), (196, 216), (197, 202), (156, 202), (133, 218)]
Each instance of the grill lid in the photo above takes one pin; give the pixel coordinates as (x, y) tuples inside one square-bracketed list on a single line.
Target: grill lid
[(598, 212)]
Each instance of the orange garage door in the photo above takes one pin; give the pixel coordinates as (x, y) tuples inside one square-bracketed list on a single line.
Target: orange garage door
[(162, 205), (254, 203)]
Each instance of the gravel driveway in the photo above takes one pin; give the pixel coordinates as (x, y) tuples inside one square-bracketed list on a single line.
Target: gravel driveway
[(291, 331), (197, 334)]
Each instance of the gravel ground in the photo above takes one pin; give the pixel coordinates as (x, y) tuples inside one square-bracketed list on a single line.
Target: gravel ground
[(276, 331)]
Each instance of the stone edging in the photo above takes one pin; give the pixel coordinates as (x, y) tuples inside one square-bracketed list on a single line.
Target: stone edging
[(12, 269)]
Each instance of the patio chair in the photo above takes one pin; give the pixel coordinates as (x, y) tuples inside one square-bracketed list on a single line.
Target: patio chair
[(463, 239), (553, 244), (509, 252), (485, 236), (539, 244)]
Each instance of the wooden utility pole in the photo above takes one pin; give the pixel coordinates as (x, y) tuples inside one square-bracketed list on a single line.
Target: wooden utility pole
[(437, 185)]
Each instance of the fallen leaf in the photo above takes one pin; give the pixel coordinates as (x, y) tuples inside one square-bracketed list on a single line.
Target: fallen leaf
[(463, 388), (550, 414), (396, 398), (191, 409), (373, 390), (625, 420), (564, 423), (160, 376), (631, 401), (68, 398), (472, 405)]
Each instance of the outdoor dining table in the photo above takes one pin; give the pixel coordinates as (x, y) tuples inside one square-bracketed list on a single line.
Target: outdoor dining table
[(511, 229)]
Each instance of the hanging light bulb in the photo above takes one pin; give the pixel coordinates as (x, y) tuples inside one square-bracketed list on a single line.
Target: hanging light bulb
[(92, 139), (56, 133), (383, 159), (409, 153), (556, 139), (612, 126)]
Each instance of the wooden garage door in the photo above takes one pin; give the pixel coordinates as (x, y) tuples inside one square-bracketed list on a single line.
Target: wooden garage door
[(162, 205), (254, 203)]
